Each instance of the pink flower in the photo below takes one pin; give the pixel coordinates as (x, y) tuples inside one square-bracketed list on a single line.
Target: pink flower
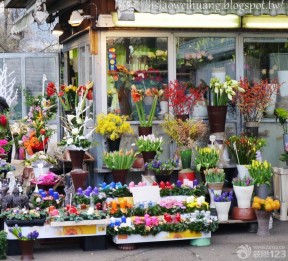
[(2, 151), (3, 142)]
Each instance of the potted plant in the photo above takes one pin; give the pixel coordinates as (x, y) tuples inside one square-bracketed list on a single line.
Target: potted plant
[(222, 204), (26, 242), (262, 174), (3, 245), (243, 189), (149, 146), (244, 151), (137, 95), (119, 162), (263, 208), (282, 115), (206, 158), (113, 127), (217, 109), (253, 101)]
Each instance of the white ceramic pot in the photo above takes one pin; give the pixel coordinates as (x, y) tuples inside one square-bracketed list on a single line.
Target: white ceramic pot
[(200, 110), (242, 171), (216, 192), (222, 209), (243, 195)]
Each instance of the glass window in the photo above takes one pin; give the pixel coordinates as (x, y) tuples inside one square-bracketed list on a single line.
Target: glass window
[(201, 58), (73, 67), (134, 60)]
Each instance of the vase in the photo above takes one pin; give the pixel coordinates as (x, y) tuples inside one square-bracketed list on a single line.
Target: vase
[(76, 157), (200, 110), (186, 156), (217, 118), (262, 190), (182, 117), (113, 145), (242, 171), (263, 218), (148, 155), (144, 131), (283, 79), (222, 209), (243, 195), (27, 247), (251, 128), (211, 194), (119, 175)]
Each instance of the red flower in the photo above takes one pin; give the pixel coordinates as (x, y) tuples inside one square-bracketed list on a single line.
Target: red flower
[(3, 120), (90, 95), (60, 94), (51, 89)]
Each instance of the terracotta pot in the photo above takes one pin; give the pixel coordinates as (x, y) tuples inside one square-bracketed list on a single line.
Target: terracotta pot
[(217, 118), (244, 214), (144, 131), (148, 155), (263, 218), (113, 145), (119, 175), (76, 157), (27, 247)]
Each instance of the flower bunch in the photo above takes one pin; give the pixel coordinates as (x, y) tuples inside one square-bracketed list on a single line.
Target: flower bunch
[(158, 166), (267, 204), (121, 76), (113, 126), (184, 133), (5, 167), (17, 232), (4, 123), (76, 133), (18, 130), (150, 143), (214, 175), (255, 98), (244, 148), (38, 201), (223, 92), (245, 182), (5, 146), (195, 58), (40, 157), (138, 96), (22, 214), (261, 172), (119, 159), (196, 203), (206, 158), (179, 97), (223, 197), (282, 115)]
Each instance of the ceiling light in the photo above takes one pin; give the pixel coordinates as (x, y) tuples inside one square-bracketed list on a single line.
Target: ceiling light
[(57, 31), (265, 22), (180, 21)]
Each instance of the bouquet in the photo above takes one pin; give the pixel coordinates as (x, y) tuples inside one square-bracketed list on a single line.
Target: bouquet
[(17, 232), (184, 133), (214, 175), (150, 143), (245, 182), (223, 197), (113, 126), (138, 96), (255, 98), (244, 148), (261, 172), (206, 158), (223, 92), (158, 166), (282, 115), (267, 204), (119, 159), (76, 134), (40, 157)]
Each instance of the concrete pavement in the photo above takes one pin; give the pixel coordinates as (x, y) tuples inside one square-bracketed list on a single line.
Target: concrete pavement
[(230, 242)]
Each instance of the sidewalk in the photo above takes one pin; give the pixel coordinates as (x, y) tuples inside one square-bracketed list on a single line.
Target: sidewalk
[(224, 246)]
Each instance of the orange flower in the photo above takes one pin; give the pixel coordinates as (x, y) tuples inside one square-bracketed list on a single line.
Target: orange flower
[(30, 144), (148, 92), (135, 94)]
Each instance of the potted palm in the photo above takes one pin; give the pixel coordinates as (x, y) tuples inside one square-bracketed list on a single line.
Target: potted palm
[(119, 162)]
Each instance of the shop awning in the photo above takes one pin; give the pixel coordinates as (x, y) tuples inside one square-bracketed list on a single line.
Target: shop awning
[(127, 8)]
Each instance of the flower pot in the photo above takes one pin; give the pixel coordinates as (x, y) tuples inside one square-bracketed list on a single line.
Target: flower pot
[(27, 247), (113, 145), (144, 131), (217, 118), (148, 155), (222, 209), (263, 218), (76, 157), (119, 175), (182, 117), (215, 185), (200, 110), (211, 194), (186, 155), (244, 214), (242, 171), (79, 178), (251, 128), (139, 162), (243, 195), (262, 191), (186, 174)]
